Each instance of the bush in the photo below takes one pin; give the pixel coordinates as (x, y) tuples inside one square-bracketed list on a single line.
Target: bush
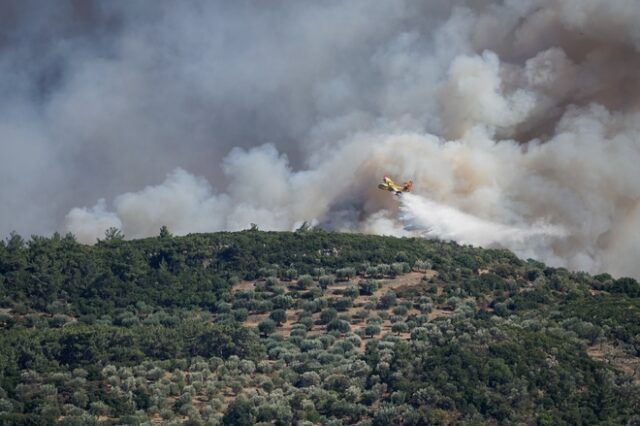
[(290, 274), (367, 287), (271, 283), (343, 303), (240, 314), (238, 413), (371, 272), (325, 281), (362, 314), (282, 302), (327, 315), (383, 270), (399, 327), (304, 282), (372, 330), (279, 316), (628, 286), (422, 265), (309, 378), (267, 326), (279, 413), (307, 322), (425, 308), (387, 300), (99, 408), (318, 272), (345, 274), (58, 320), (399, 268), (400, 310), (339, 325), (351, 291)]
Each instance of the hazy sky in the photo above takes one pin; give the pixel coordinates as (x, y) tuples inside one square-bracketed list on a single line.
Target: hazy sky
[(517, 115)]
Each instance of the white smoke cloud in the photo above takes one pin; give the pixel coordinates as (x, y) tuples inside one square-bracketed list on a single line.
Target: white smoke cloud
[(88, 224), (517, 121), (441, 221), (472, 95)]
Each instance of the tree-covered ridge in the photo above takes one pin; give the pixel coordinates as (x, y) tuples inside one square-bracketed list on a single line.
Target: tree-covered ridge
[(309, 328), (194, 270)]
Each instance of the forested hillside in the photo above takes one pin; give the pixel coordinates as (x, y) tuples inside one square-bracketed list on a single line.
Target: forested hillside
[(309, 328)]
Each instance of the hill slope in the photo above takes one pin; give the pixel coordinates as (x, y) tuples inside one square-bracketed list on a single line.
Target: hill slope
[(309, 327)]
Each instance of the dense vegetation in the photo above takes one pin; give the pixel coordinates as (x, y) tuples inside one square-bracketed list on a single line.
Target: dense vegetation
[(309, 328)]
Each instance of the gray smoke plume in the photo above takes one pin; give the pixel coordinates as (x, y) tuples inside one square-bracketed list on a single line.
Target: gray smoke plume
[(517, 120)]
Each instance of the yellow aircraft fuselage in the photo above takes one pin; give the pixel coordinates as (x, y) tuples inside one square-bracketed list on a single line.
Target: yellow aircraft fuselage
[(391, 186)]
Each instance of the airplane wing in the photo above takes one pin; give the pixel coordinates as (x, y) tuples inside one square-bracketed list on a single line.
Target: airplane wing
[(391, 185)]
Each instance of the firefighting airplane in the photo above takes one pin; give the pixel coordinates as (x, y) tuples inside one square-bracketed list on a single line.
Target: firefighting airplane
[(390, 185)]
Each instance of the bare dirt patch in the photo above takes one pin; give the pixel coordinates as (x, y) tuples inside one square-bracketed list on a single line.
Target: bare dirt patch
[(438, 313), (617, 358), (285, 328), (254, 319), (243, 286), (409, 280)]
